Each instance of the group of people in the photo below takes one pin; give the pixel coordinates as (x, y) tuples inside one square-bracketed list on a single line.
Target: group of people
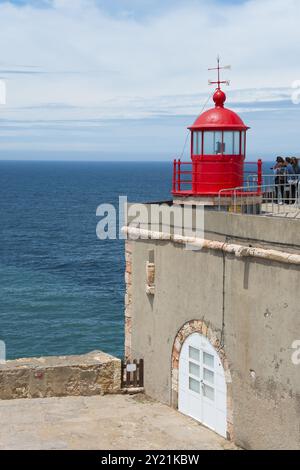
[(287, 178)]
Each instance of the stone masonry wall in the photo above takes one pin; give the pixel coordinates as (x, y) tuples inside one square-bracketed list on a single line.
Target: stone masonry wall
[(95, 373)]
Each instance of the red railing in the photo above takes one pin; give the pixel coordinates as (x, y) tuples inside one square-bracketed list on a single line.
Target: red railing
[(186, 178)]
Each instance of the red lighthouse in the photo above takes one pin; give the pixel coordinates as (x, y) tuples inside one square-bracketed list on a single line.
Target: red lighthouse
[(218, 150)]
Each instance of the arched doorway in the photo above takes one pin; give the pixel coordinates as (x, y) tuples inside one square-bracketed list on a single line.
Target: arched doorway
[(201, 383)]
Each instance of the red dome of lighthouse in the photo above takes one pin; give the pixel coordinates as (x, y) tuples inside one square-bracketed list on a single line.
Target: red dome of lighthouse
[(219, 117)]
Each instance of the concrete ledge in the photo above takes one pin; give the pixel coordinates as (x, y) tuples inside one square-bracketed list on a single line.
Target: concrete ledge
[(95, 373), (240, 251)]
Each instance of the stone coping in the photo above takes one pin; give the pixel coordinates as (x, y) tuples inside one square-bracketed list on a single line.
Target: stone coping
[(90, 359), (240, 251)]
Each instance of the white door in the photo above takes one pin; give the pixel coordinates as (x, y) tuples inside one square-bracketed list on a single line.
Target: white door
[(202, 385)]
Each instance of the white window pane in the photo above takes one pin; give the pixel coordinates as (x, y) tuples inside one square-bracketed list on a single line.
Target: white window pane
[(194, 369), (194, 385), (208, 376), (228, 143), (208, 360), (208, 392), (194, 353)]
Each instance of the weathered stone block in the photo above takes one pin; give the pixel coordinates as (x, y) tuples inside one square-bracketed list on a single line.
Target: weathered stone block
[(128, 326), (128, 299), (150, 273), (127, 278), (128, 267)]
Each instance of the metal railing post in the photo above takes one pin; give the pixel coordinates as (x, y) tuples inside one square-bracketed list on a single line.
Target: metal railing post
[(179, 175), (259, 176), (174, 176), (297, 204), (193, 176)]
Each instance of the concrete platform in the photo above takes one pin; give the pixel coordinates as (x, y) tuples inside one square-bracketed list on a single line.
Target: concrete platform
[(109, 422)]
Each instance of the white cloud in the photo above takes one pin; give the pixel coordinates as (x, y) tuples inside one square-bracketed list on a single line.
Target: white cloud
[(91, 65)]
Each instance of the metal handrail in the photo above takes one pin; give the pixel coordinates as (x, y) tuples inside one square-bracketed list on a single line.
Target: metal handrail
[(178, 182), (273, 201)]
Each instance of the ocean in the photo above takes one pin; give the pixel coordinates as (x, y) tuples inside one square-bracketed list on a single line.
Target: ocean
[(61, 288)]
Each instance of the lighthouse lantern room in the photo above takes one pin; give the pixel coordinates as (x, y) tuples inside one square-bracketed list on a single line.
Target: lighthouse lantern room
[(218, 150)]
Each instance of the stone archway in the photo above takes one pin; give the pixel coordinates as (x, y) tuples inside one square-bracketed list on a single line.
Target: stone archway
[(199, 326)]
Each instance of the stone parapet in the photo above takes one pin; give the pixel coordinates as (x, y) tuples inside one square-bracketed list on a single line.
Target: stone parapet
[(96, 373)]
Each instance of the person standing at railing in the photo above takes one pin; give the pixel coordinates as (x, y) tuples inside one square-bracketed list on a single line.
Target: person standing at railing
[(296, 166), (279, 171), (290, 182)]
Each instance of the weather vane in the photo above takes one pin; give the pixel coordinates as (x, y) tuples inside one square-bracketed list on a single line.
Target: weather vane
[(218, 68)]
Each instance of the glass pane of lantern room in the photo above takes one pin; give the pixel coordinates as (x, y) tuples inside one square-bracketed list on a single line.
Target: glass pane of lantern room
[(197, 143), (243, 138), (212, 143), (236, 142), (228, 143), (219, 146), (208, 143)]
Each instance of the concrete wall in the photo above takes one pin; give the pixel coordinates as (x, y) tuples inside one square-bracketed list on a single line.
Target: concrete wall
[(274, 232), (259, 302), (90, 374)]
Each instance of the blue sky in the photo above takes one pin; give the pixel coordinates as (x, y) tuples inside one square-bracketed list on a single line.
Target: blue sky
[(102, 79)]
